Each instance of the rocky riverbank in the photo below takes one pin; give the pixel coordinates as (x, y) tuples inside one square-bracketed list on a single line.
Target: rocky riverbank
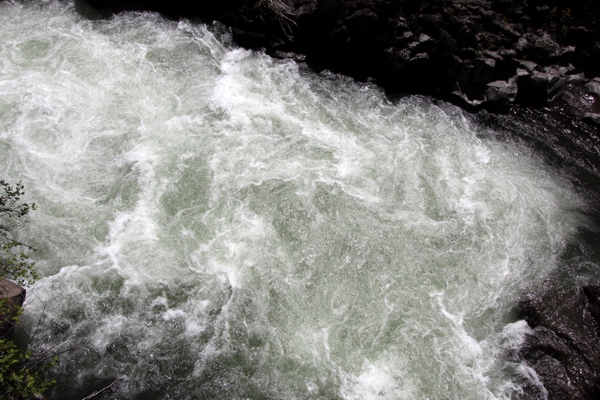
[(564, 349), (476, 53)]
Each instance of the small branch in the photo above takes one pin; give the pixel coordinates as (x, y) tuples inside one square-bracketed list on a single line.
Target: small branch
[(99, 391)]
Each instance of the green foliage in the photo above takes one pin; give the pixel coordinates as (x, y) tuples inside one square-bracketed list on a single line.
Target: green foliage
[(14, 262), (22, 375), (12, 210), (15, 265)]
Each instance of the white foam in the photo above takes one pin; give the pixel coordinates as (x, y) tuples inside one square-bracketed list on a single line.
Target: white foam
[(213, 206)]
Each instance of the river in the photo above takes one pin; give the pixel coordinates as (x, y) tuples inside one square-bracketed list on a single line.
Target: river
[(214, 223)]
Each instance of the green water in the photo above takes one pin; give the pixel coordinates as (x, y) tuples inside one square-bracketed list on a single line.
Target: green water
[(213, 223)]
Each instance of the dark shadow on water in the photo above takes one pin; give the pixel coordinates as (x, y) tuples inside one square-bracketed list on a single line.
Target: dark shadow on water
[(569, 146)]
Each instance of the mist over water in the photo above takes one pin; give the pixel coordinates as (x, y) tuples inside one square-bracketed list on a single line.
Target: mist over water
[(213, 223)]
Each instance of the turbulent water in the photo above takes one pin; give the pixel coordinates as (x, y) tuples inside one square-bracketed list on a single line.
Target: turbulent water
[(213, 223)]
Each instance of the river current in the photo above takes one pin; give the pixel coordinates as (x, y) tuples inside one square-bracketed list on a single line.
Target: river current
[(214, 223)]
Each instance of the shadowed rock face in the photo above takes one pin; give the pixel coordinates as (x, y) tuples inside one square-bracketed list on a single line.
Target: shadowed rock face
[(13, 296), (477, 53), (564, 349)]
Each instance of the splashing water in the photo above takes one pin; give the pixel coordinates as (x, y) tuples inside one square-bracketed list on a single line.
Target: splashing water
[(213, 223)]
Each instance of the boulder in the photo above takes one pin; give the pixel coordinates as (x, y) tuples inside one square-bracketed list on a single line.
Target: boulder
[(592, 62), (502, 92), (13, 297), (420, 60), (469, 95), (423, 45), (542, 48), (540, 86), (529, 65), (577, 79), (556, 84), (593, 87), (483, 70), (504, 28), (362, 25), (508, 54), (564, 347), (579, 36)]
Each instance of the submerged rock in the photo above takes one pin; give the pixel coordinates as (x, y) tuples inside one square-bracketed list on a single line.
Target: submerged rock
[(564, 349)]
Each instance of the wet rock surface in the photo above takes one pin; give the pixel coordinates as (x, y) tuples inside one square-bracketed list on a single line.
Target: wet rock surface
[(564, 349), (476, 53), (12, 296)]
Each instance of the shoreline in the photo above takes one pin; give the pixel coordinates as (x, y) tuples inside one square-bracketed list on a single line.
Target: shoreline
[(477, 54)]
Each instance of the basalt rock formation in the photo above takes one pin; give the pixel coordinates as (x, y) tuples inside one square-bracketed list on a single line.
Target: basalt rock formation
[(564, 350), (477, 53)]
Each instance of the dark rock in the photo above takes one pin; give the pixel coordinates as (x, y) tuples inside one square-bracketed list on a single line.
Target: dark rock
[(362, 25), (595, 117), (426, 43), (579, 100), (555, 90), (592, 62), (468, 53), (540, 13), (398, 57), (577, 79), (447, 43), (461, 96), (539, 88), (465, 71), (523, 73), (544, 48), (578, 36), (539, 79), (470, 95), (420, 60), (432, 23), (508, 54), (504, 28), (522, 45), (564, 348), (305, 13), (566, 53), (408, 35), (89, 12), (413, 47), (453, 65), (341, 35), (568, 70), (493, 54), (484, 70), (250, 39), (502, 92), (593, 87), (14, 296)]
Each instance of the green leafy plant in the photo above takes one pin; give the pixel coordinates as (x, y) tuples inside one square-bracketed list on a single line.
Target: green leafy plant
[(14, 261), (22, 375)]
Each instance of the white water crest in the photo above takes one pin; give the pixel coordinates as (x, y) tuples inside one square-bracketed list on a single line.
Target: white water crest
[(213, 223)]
